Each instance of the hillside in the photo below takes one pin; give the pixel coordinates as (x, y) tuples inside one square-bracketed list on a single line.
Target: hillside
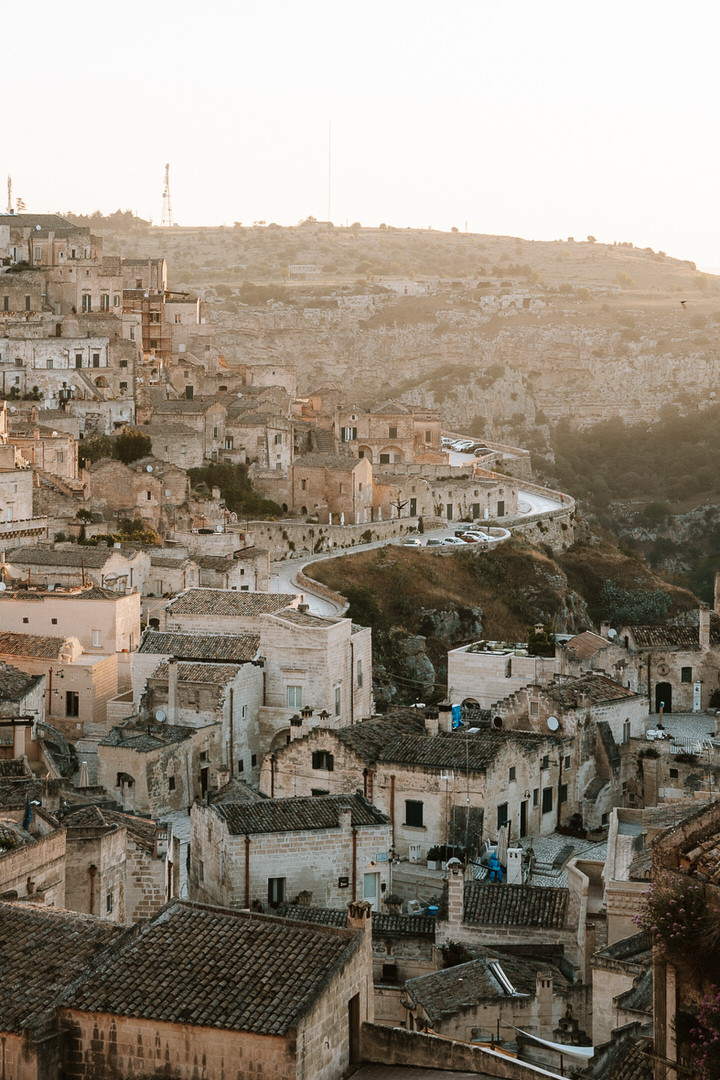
[(420, 603)]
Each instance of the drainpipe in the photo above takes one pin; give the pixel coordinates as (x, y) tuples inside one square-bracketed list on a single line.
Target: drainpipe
[(92, 871), (352, 680), (649, 686), (272, 776), (232, 731), (247, 871), (354, 863), (392, 808)]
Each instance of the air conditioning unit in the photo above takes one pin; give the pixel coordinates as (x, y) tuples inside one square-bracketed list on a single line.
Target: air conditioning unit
[(414, 853), (414, 907)]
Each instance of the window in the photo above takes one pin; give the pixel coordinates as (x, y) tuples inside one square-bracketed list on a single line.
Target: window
[(303, 485), (359, 673), (148, 495), (200, 870), (673, 774), (116, 301), (123, 387), (545, 763), (567, 761), (96, 359), (171, 783), (337, 700), (428, 436), (54, 622), (686, 674), (511, 774), (155, 316), (536, 796), (294, 697), (60, 457), (563, 792), (414, 813), (104, 302), (25, 619), (27, 303), (502, 815), (86, 302), (318, 792), (109, 902), (276, 891), (153, 343), (123, 363), (6, 303), (605, 819), (50, 363), (241, 765), (229, 442), (97, 639), (253, 761), (392, 433), (177, 319), (215, 432), (626, 731), (384, 459), (72, 703), (534, 708), (323, 759), (278, 440), (547, 800)]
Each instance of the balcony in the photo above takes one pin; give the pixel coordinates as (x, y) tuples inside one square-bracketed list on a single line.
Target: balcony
[(23, 527)]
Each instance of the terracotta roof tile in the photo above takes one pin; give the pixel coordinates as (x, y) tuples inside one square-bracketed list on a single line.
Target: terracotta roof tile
[(231, 648), (298, 814), (490, 904), (228, 602), (15, 684), (35, 645), (218, 968)]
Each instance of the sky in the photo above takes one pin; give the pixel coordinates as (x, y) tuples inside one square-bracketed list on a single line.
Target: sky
[(540, 120)]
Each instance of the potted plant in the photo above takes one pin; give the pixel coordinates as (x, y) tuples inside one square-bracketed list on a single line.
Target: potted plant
[(393, 902), (434, 857)]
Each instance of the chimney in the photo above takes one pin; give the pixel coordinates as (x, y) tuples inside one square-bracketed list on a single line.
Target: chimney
[(514, 866), (222, 775), (304, 608), (296, 727), (444, 716), (456, 895), (359, 917), (704, 626), (431, 721), (172, 690), (19, 736), (345, 820), (605, 630)]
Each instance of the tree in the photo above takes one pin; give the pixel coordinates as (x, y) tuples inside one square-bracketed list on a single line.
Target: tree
[(96, 447), (637, 607), (131, 444)]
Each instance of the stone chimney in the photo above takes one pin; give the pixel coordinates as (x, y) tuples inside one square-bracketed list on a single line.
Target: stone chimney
[(19, 737), (431, 721), (456, 894), (605, 630), (704, 626), (444, 716), (172, 690), (296, 731), (514, 866), (222, 775), (359, 917)]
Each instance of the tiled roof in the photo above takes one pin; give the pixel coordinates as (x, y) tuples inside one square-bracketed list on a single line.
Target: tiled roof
[(145, 737), (305, 618), (584, 646), (141, 830), (674, 637), (590, 688), (491, 904), (15, 684), (183, 405), (216, 674), (639, 998), (228, 602), (298, 814), (93, 557), (230, 648), (35, 645), (45, 221), (237, 791), (339, 462), (636, 949), (625, 1057), (42, 950), (455, 751), (369, 737), (92, 592), (454, 990), (217, 968), (383, 926)]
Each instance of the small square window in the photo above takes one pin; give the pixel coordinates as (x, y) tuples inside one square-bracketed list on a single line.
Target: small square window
[(673, 774), (545, 764), (54, 622), (511, 773), (25, 619), (686, 674), (253, 761)]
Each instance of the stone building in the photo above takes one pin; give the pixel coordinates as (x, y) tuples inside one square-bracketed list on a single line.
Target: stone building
[(484, 672), (16, 494), (172, 573), (436, 787), (332, 487), (78, 686), (103, 621), (331, 848), (247, 570), (390, 433), (119, 867), (205, 418), (73, 566), (156, 492), (32, 864), (47, 450), (224, 611), (83, 996)]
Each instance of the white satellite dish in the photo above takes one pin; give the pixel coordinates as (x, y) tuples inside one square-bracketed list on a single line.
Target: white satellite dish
[(38, 228), (148, 468), (239, 395), (612, 634), (219, 528), (3, 586), (72, 388), (553, 723), (160, 716)]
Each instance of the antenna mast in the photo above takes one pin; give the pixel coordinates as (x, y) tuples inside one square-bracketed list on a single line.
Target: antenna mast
[(9, 205), (167, 218)]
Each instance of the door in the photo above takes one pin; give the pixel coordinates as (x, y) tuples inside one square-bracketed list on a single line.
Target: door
[(413, 507), (354, 1029), (370, 889), (501, 508), (663, 696), (448, 511), (204, 773), (523, 817)]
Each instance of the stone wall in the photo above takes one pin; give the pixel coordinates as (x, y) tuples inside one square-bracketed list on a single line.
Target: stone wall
[(36, 870), (291, 539), (96, 872), (146, 884)]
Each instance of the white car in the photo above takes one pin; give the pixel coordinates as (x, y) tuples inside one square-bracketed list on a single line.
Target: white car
[(452, 541), (412, 541), (462, 446), (481, 537)]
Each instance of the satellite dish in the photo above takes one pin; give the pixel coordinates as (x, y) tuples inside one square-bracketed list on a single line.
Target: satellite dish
[(3, 586), (38, 228), (72, 388), (148, 468), (612, 634), (553, 723), (54, 434), (160, 716), (219, 528), (239, 395)]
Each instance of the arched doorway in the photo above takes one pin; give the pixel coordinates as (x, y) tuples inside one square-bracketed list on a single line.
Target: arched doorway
[(663, 696)]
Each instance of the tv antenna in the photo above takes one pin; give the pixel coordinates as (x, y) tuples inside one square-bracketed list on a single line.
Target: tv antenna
[(167, 218)]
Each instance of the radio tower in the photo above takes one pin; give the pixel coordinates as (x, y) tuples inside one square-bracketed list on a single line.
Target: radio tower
[(167, 205)]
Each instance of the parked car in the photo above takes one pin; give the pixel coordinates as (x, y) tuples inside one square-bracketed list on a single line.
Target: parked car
[(412, 541), (462, 445), (480, 537), (463, 529), (452, 541), (434, 541), (469, 538), (479, 451)]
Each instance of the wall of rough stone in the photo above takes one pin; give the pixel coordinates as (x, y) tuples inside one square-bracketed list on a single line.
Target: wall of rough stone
[(37, 869), (145, 883), (101, 892)]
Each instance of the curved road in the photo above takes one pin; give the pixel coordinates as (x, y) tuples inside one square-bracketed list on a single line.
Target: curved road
[(283, 573)]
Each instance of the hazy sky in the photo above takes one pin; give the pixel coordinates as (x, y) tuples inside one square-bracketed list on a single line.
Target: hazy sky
[(542, 120)]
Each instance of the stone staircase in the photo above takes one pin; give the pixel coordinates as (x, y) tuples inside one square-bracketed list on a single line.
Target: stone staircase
[(73, 489)]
